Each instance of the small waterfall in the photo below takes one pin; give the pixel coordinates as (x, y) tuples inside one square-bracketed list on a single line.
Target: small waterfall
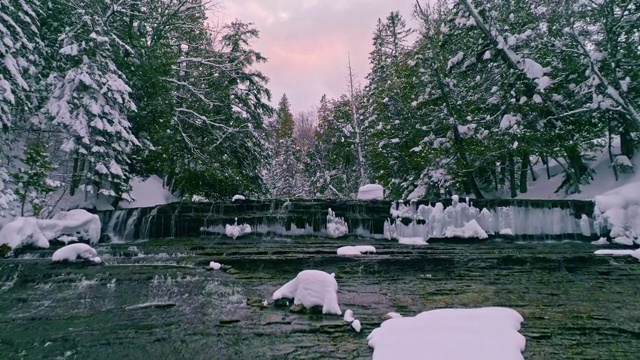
[(130, 228), (116, 226), (122, 226), (145, 231)]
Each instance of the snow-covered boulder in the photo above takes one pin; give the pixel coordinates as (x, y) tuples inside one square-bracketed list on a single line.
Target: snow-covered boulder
[(479, 334), (238, 197), (214, 265), (75, 252), (235, 230), (79, 224), (356, 250), (336, 226), (371, 192), (23, 231), (312, 288), (348, 316)]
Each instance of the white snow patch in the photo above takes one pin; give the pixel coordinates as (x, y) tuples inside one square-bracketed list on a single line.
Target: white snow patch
[(393, 315), (506, 232), (348, 316), (618, 211), (214, 265), (479, 334), (356, 250), (371, 192), (411, 241), (75, 252), (148, 192), (634, 253), (601, 241), (238, 197), (356, 325), (336, 226), (312, 288)]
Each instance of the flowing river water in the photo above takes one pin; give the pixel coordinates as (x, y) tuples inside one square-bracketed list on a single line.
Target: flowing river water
[(155, 299)]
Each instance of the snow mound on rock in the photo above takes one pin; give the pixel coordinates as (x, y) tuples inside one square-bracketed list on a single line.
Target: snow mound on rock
[(479, 334), (371, 192), (79, 224), (356, 250), (75, 252), (238, 197), (312, 288)]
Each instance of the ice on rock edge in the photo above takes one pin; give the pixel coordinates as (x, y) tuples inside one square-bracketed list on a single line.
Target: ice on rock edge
[(75, 252), (355, 250), (31, 231), (312, 288), (479, 334), (234, 231), (371, 192), (336, 226), (618, 211)]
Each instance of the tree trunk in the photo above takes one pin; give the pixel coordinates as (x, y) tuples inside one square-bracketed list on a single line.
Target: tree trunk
[(577, 165), (609, 145), (470, 179), (627, 145), (75, 176), (524, 172), (533, 174), (512, 176)]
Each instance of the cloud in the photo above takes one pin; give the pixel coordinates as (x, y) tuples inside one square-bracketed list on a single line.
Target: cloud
[(307, 42)]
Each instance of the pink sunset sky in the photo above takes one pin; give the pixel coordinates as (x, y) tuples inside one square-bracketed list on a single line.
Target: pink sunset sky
[(307, 42)]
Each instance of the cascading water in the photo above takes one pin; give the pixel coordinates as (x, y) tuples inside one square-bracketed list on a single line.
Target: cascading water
[(371, 219)]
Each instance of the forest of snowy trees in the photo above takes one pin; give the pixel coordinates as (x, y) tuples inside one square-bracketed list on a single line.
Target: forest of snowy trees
[(94, 93)]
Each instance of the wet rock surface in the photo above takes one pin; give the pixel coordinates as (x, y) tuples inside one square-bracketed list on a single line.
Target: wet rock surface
[(576, 305)]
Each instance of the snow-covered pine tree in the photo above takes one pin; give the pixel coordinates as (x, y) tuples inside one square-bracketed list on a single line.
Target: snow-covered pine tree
[(286, 176), (89, 98), (21, 51)]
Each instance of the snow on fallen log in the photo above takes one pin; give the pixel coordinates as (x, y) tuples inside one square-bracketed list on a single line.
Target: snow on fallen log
[(78, 224), (76, 252), (480, 334), (312, 288)]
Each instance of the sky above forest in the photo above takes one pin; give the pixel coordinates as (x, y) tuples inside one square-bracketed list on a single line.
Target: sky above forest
[(307, 42)]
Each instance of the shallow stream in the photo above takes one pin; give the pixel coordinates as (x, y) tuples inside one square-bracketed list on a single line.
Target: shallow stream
[(154, 299)]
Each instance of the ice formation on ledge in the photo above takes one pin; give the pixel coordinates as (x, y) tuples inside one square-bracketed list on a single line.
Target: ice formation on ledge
[(479, 334), (312, 288), (356, 250), (79, 224), (235, 230), (371, 192), (74, 252), (462, 219), (618, 211), (238, 197), (336, 226)]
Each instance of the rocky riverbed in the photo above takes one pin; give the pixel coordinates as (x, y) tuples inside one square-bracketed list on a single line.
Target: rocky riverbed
[(155, 299)]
